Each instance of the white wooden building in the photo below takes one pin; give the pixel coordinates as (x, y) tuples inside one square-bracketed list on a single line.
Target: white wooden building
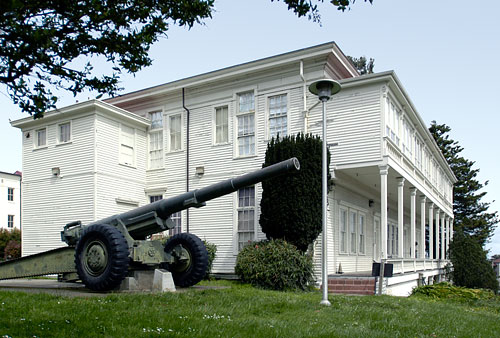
[(10, 200), (93, 159)]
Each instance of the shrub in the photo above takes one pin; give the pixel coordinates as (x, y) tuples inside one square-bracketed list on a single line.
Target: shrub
[(212, 252), (448, 291), (6, 236), (12, 250), (291, 204), (471, 267), (276, 265)]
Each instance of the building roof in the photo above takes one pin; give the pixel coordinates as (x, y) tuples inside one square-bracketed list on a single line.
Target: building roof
[(17, 173)]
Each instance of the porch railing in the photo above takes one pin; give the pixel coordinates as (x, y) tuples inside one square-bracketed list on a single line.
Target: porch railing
[(403, 265)]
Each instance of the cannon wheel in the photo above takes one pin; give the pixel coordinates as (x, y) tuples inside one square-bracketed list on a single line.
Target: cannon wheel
[(101, 257), (191, 259)]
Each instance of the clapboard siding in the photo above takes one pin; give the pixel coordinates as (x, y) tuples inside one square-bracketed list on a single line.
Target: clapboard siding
[(353, 122), (115, 182), (50, 202)]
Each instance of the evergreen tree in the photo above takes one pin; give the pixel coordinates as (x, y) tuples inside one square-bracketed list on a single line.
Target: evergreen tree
[(471, 214), (291, 204)]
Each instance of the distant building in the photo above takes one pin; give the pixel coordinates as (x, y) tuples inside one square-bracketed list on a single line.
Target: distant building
[(393, 193), (496, 267), (10, 200)]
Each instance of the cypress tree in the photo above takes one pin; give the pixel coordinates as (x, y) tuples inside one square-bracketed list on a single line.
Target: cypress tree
[(291, 204)]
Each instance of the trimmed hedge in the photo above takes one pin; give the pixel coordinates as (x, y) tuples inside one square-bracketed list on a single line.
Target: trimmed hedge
[(275, 265), (291, 204)]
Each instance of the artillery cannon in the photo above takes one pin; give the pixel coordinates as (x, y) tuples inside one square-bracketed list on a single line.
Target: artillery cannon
[(103, 252)]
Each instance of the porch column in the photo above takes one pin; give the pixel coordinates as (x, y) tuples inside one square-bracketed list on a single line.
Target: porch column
[(413, 212), (443, 243), (422, 226), (401, 184), (431, 231), (437, 233), (447, 235), (384, 170)]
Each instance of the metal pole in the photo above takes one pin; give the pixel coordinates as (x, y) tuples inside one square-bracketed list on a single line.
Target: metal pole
[(324, 197)]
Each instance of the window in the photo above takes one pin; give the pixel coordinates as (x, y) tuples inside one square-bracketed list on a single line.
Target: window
[(64, 132), (352, 228), (278, 116), (175, 132), (10, 194), (156, 140), (41, 138), (127, 145), (155, 198), (177, 220), (343, 230), (392, 240), (361, 233), (246, 125), (418, 153), (246, 216), (392, 121), (407, 139), (221, 125), (10, 221)]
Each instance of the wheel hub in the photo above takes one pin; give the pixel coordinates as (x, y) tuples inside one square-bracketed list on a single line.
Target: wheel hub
[(96, 258)]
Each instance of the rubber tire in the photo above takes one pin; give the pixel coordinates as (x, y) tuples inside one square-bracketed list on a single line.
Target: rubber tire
[(197, 267), (116, 265)]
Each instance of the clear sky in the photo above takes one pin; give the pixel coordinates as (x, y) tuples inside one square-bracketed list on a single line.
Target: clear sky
[(444, 52)]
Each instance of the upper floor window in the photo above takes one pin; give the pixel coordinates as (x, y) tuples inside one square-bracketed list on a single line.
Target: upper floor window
[(221, 125), (156, 140), (10, 221), (246, 216), (175, 132), (418, 153), (278, 108), (246, 124), (407, 138), (155, 198), (127, 145), (393, 116), (64, 132), (41, 138), (10, 194)]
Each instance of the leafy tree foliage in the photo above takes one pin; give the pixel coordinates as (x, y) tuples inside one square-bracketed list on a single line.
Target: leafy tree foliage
[(8, 237), (291, 204), (310, 7), (471, 268), (49, 44), (471, 214), (363, 65)]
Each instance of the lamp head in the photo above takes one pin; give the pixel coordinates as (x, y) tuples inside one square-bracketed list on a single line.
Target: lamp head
[(324, 88)]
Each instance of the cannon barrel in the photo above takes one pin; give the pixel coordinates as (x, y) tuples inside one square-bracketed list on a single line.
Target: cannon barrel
[(151, 218)]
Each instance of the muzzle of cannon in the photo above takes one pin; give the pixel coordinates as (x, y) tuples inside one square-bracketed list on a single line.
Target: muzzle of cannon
[(103, 252)]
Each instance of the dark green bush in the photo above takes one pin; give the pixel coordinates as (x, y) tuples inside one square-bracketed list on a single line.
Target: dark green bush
[(291, 204), (212, 252), (12, 250), (471, 267), (276, 265), (6, 236)]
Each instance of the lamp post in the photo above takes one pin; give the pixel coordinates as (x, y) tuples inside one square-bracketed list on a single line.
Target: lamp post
[(324, 89)]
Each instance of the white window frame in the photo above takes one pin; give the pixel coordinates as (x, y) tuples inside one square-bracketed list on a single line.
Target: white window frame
[(215, 126), (251, 133), (353, 232), (169, 132), (36, 141), (343, 230), (239, 209), (123, 144), (59, 134), (176, 218), (10, 221), (156, 132), (10, 194), (361, 233), (277, 117)]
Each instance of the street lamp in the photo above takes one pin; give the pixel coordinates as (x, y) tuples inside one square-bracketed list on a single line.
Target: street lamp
[(324, 89)]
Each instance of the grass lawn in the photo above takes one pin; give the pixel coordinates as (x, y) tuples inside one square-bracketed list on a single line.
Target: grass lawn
[(243, 311)]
